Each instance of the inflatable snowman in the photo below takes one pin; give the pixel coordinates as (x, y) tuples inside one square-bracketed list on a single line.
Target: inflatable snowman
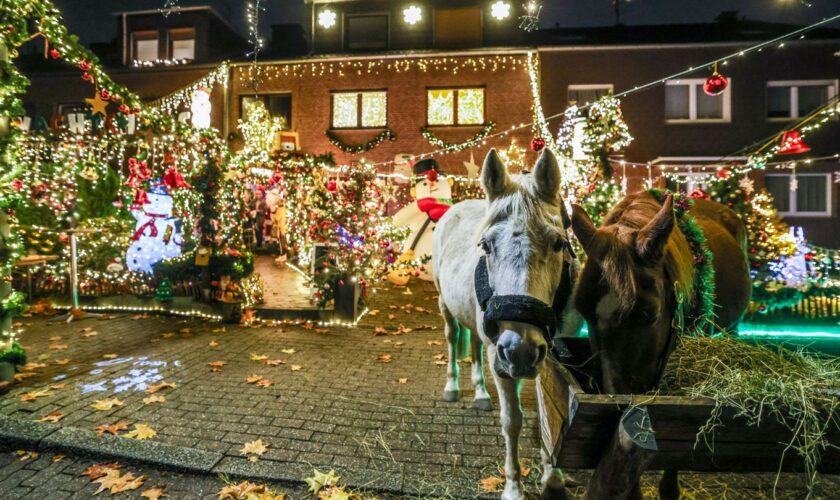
[(432, 198), (157, 234)]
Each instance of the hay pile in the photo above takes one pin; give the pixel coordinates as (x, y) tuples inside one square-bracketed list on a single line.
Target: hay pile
[(798, 390)]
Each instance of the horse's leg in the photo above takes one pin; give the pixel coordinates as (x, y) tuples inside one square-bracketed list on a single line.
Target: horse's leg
[(482, 397), (669, 485), (452, 391), (511, 417), (553, 482)]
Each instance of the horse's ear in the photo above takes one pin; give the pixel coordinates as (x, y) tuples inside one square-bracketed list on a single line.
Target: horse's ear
[(547, 176), (582, 226), (494, 176), (651, 240)]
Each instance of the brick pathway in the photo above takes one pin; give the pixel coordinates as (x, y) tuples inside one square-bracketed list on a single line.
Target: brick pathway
[(330, 404), (284, 288)]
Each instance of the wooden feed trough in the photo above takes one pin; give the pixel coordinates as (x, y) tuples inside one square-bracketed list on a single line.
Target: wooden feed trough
[(578, 427)]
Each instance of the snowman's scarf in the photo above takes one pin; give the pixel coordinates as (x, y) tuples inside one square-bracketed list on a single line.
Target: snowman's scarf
[(149, 223)]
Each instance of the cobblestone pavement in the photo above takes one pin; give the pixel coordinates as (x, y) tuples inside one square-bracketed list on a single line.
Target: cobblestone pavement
[(330, 401)]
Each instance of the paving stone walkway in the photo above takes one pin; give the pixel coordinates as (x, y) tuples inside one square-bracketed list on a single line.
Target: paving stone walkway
[(326, 402)]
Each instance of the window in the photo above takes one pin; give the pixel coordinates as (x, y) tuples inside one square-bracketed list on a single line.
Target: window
[(811, 198), (455, 106), (580, 95), (457, 28), (145, 45), (278, 105), (794, 99), (685, 101), (366, 109), (182, 43), (368, 32)]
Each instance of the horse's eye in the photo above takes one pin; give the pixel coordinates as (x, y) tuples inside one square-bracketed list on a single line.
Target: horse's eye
[(560, 244), (485, 247)]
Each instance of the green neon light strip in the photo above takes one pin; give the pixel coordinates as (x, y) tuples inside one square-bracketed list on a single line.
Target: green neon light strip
[(777, 331)]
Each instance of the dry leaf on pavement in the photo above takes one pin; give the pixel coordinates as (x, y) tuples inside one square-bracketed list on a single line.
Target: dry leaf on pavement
[(296, 368), (216, 366), (253, 378), (213, 343), (241, 491), (491, 484), (254, 447), (384, 358), (258, 357), (141, 431), (154, 398), (275, 362), (434, 342), (158, 387), (288, 351), (113, 428), (96, 471), (33, 395), (264, 383), (403, 380), (106, 404), (155, 492), (52, 417)]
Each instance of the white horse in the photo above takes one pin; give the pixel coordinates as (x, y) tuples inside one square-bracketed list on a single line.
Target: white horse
[(517, 241)]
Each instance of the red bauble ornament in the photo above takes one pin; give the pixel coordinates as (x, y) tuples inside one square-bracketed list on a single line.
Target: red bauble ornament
[(84, 65), (537, 144), (793, 144), (723, 173), (17, 184), (55, 54), (87, 77), (809, 256), (332, 186), (124, 109), (431, 175), (104, 94), (715, 84)]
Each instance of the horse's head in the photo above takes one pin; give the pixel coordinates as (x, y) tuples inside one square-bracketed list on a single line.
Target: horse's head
[(622, 291), (523, 244)]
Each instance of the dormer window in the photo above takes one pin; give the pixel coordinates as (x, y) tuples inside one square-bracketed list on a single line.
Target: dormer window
[(182, 44), (144, 46)]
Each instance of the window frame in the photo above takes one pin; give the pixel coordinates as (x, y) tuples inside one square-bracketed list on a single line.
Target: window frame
[(345, 32), (793, 212), (144, 35), (359, 110), (587, 86), (793, 95), (696, 85), (176, 34), (456, 89), (264, 96)]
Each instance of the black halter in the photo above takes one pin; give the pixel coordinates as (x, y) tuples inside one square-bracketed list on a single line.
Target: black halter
[(521, 308)]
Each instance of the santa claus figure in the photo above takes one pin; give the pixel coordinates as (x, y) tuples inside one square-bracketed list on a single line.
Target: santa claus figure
[(432, 198)]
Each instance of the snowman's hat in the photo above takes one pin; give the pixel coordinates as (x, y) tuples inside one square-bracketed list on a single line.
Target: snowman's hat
[(423, 166)]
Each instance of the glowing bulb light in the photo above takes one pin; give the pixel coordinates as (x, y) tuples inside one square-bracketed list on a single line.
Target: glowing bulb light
[(500, 10), (327, 18), (412, 15)]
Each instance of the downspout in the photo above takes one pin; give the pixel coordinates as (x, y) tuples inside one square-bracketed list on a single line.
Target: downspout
[(125, 39)]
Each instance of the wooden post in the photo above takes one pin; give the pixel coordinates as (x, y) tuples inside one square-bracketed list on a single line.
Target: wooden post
[(631, 449)]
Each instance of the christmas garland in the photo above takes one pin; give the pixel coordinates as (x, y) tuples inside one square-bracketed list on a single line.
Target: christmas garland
[(360, 148), (449, 146), (15, 355), (702, 302), (13, 304)]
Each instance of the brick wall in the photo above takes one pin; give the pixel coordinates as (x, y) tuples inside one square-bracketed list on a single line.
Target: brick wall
[(507, 103)]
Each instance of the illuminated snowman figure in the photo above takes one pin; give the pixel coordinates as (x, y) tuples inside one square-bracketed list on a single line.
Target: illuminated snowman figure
[(432, 198), (200, 108), (157, 234)]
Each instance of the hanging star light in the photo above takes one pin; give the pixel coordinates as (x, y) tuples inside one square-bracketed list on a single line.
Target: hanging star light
[(747, 185), (170, 6), (837, 177), (472, 168)]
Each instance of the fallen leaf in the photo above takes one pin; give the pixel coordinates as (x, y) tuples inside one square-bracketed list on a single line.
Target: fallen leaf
[(373, 312), (308, 325), (320, 480), (112, 429), (24, 455), (155, 492), (219, 330), (159, 387), (254, 447), (258, 357), (106, 404), (288, 351), (296, 368), (86, 329), (90, 334), (33, 395), (58, 347), (213, 343), (403, 380), (109, 356), (4, 383), (392, 316), (28, 367), (168, 335), (115, 483), (23, 376), (96, 471), (58, 386), (399, 344), (155, 398), (275, 362), (53, 417), (58, 458), (253, 378), (216, 366), (55, 338), (241, 491), (129, 482), (321, 330), (378, 331), (141, 431), (265, 383), (336, 493), (384, 358), (185, 331), (491, 484), (407, 291), (62, 361), (402, 329), (434, 342), (440, 363), (440, 356)]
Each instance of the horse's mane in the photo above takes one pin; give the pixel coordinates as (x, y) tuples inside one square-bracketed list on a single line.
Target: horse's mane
[(617, 256)]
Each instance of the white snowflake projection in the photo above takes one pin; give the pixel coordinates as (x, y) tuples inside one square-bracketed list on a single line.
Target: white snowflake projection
[(747, 185)]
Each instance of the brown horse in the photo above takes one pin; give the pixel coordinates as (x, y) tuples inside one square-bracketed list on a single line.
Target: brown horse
[(627, 293)]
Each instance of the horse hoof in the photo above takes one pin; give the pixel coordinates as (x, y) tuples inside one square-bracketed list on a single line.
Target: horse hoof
[(451, 396), (483, 404)]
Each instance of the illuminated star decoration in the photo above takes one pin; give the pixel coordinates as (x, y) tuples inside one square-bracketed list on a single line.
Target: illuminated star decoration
[(530, 21), (170, 6), (472, 168), (747, 185), (794, 184), (97, 104)]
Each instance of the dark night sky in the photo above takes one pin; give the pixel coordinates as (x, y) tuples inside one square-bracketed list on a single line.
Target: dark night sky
[(93, 22)]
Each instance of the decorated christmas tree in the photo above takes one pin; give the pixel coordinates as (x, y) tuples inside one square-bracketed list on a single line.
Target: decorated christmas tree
[(164, 291)]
